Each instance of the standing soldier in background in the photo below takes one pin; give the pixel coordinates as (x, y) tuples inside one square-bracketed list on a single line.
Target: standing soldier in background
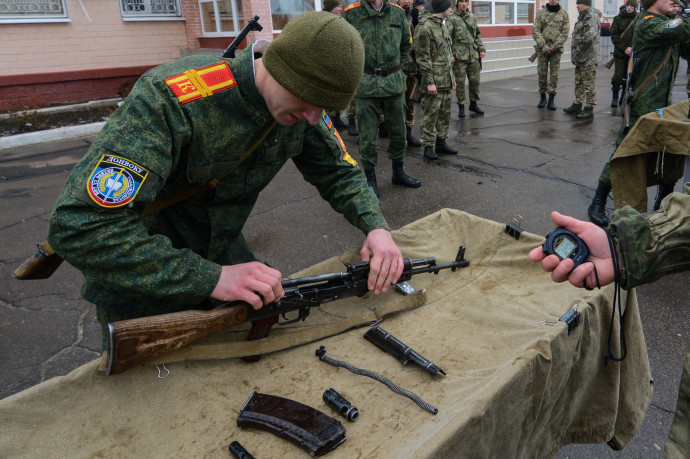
[(550, 31), (584, 55), (658, 42), (622, 29), (333, 6), (411, 69), (387, 44), (468, 51), (433, 49)]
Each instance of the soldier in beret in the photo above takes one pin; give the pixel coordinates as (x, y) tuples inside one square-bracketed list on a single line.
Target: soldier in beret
[(224, 127)]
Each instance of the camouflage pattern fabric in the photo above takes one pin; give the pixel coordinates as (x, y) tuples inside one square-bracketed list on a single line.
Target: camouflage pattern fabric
[(650, 248), (173, 136), (436, 110), (548, 83), (387, 44), (467, 44), (585, 42), (621, 42), (409, 102), (550, 31), (620, 73), (369, 111), (654, 34), (586, 85)]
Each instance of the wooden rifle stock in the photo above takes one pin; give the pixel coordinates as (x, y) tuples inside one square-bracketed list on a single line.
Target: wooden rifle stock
[(414, 93), (134, 341), (39, 266), (533, 57), (610, 63)]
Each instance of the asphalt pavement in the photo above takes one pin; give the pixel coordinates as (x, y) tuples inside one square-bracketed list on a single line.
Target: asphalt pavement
[(516, 160)]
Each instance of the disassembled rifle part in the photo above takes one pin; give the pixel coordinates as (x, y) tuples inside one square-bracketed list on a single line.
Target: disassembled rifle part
[(341, 404), (321, 354), (237, 450), (389, 343)]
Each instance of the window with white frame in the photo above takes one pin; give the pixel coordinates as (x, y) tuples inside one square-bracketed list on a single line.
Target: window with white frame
[(221, 18), (498, 12), (150, 9), (284, 10), (32, 11)]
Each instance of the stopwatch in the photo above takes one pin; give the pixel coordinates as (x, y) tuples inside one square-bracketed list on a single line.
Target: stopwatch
[(565, 244)]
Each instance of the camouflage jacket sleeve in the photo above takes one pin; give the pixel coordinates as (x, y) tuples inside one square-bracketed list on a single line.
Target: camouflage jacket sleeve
[(109, 243), (536, 31), (477, 33), (326, 164), (564, 31), (653, 246)]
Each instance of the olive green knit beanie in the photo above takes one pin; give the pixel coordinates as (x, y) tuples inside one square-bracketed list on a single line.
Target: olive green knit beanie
[(646, 4), (318, 58)]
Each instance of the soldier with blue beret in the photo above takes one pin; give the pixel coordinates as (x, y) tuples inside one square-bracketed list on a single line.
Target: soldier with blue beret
[(224, 127)]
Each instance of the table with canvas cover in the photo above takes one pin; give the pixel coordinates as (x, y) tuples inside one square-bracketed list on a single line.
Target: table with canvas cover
[(641, 159), (517, 384)]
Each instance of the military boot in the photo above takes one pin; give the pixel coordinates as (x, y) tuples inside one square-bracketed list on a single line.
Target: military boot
[(586, 114), (475, 108), (352, 127), (442, 148), (597, 210), (338, 123), (614, 100), (411, 141), (401, 178), (370, 174), (461, 110), (542, 101), (573, 109), (664, 190), (383, 133), (550, 105), (429, 153)]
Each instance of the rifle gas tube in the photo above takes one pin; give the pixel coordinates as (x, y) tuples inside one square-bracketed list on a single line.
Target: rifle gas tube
[(134, 341)]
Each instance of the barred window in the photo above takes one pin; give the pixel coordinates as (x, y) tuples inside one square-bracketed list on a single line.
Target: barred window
[(32, 11), (149, 9)]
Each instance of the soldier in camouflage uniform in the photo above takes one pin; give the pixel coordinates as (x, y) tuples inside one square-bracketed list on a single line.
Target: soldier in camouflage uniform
[(648, 248), (387, 45), (622, 29), (411, 70), (550, 31), (584, 55), (333, 6), (657, 43), (468, 51), (433, 50), (192, 124)]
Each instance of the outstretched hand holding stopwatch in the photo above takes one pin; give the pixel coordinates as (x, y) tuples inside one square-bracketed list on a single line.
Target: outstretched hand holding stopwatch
[(561, 266)]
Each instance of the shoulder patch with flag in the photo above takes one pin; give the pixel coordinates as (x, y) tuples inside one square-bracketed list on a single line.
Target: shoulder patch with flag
[(674, 23), (197, 83), (354, 5), (115, 181), (346, 157)]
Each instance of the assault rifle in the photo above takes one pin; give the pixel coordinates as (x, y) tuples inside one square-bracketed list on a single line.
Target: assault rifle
[(134, 341), (253, 24)]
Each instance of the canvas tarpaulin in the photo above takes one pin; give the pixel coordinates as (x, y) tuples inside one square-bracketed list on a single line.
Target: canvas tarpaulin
[(646, 155), (517, 384)]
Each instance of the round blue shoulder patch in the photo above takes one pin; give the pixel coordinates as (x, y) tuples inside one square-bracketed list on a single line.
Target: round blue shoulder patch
[(674, 23)]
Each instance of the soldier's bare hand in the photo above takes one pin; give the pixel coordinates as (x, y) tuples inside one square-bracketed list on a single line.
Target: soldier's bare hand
[(385, 260), (431, 89), (254, 283)]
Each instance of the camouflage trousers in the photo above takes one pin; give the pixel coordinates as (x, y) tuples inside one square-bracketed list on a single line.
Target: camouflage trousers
[(351, 111), (586, 85), (435, 116), (470, 71), (678, 442), (620, 73), (369, 113), (409, 102), (548, 82)]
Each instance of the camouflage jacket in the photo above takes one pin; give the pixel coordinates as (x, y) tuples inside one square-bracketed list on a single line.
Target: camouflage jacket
[(432, 48), (653, 246), (622, 23), (550, 29), (585, 42), (173, 132), (387, 44), (465, 35), (410, 65), (654, 36)]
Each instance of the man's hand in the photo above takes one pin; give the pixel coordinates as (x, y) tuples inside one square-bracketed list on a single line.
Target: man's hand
[(385, 260), (482, 54), (599, 254), (254, 283), (431, 89), (628, 51)]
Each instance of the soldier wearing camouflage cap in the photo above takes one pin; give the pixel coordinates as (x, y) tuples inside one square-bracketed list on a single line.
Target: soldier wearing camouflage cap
[(224, 127)]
